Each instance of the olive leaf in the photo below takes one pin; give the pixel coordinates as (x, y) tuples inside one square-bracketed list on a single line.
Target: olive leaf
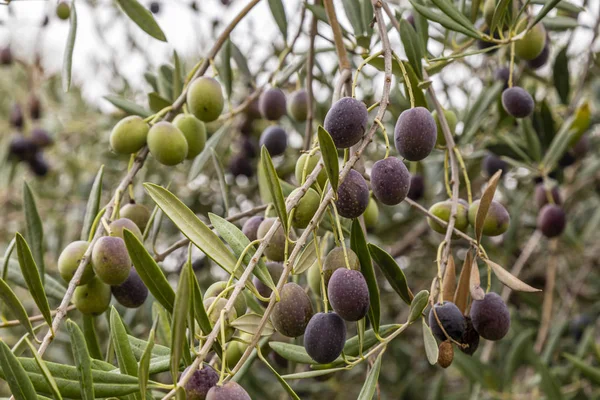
[(431, 346), (307, 258), (93, 204), (282, 381), (499, 13), (444, 20), (560, 75), (484, 204), (358, 244), (129, 107), (6, 260), (181, 310), (418, 305), (145, 362), (125, 358), (83, 362), (548, 6), (312, 374), (477, 292), (68, 55), (370, 385), (392, 271), (274, 186), (142, 18), (91, 337), (461, 296), (449, 283), (330, 157), (473, 120), (516, 354), (278, 11), (35, 231), (508, 279), (412, 47), (45, 372), (591, 373), (13, 372), (15, 306), (156, 102), (249, 323), (225, 71)]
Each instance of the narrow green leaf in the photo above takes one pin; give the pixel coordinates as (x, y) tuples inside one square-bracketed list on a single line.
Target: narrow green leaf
[(221, 176), (450, 10), (45, 372), (83, 362), (177, 76), (417, 305), (412, 47), (312, 373), (142, 18), (156, 102), (201, 316), (181, 311), (533, 142), (149, 271), (6, 259), (545, 10), (592, 373), (93, 204), (144, 374), (225, 71), (330, 157), (278, 12), (562, 5), (16, 377), (125, 358), (306, 260), (560, 75), (431, 346), (138, 345), (91, 337), (238, 243), (485, 203), (554, 340), (282, 381), (34, 232), (68, 55), (249, 323), (560, 144), (292, 352), (15, 306), (32, 278), (353, 12), (499, 13), (368, 389), (422, 28), (129, 107), (241, 62), (54, 289), (358, 244), (560, 23), (165, 82), (474, 118), (274, 186), (392, 272), (444, 20), (367, 14)]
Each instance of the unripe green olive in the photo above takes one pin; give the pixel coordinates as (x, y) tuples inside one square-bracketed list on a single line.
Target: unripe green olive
[(443, 210), (129, 135), (117, 226), (312, 163), (167, 143), (496, 221), (306, 208), (92, 298), (371, 214), (532, 44), (69, 260), (215, 314), (205, 99), (194, 131), (138, 213)]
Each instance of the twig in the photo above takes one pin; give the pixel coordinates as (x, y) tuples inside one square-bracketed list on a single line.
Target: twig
[(310, 61), (548, 297), (339, 45), (39, 317)]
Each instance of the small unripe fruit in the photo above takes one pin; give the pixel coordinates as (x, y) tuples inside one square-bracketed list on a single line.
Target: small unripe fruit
[(167, 143), (542, 194), (532, 44), (235, 350), (451, 119), (272, 104), (551, 220), (205, 99), (92, 298), (445, 354), (442, 210), (492, 164), (138, 213), (117, 226), (69, 260), (390, 181), (348, 294), (416, 190), (275, 250), (214, 313), (63, 11), (251, 227), (292, 312), (111, 260), (469, 338), (496, 221), (275, 270), (415, 133), (132, 293), (312, 163), (201, 381), (229, 391), (451, 319), (346, 122), (216, 288), (314, 279), (194, 131), (325, 337), (517, 102), (306, 208), (353, 195), (490, 317), (298, 105), (371, 214), (335, 260), (274, 138), (129, 135)]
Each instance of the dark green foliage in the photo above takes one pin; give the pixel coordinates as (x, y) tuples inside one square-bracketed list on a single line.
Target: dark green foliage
[(275, 270), (272, 104), (274, 138), (470, 337), (200, 383), (353, 195), (390, 181), (132, 293), (415, 134), (298, 105), (490, 317), (69, 260), (229, 391), (541, 195), (496, 221), (346, 122), (205, 99), (492, 163), (335, 260), (138, 213), (551, 220), (110, 260), (348, 294), (325, 337), (451, 319), (292, 313), (517, 102), (250, 227), (92, 298)]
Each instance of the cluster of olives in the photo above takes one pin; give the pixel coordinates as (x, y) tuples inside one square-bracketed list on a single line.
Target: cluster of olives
[(109, 270), (489, 318), (203, 385), (495, 223), (29, 148)]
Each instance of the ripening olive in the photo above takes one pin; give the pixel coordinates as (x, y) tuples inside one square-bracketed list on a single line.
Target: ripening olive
[(205, 99), (69, 260)]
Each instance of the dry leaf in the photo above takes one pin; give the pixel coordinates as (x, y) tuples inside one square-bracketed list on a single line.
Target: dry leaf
[(461, 296), (484, 204), (449, 280), (477, 292), (509, 279)]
